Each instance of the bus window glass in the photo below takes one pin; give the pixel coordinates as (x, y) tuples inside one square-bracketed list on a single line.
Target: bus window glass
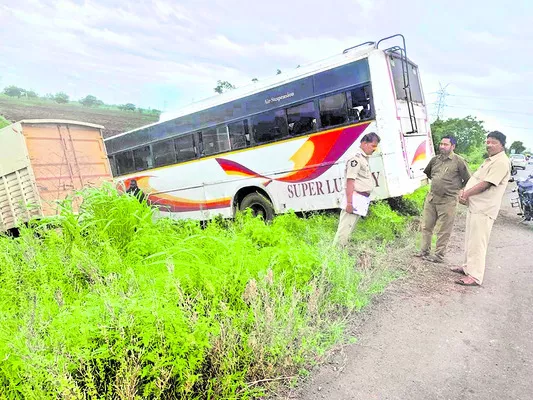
[(113, 165), (270, 126), (301, 119), (124, 162), (215, 140), (185, 148), (238, 134), (164, 153), (414, 80), (333, 110), (142, 158), (359, 104)]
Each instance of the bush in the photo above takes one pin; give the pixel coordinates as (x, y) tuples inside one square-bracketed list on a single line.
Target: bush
[(4, 122), (61, 98), (110, 303)]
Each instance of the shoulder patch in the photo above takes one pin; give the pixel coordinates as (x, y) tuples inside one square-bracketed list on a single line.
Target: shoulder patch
[(353, 163)]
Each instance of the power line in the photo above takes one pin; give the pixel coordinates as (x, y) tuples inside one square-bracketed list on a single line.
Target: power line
[(486, 97), (493, 97), (492, 110)]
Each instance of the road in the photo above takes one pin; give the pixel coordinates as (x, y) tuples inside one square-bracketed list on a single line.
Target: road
[(428, 338)]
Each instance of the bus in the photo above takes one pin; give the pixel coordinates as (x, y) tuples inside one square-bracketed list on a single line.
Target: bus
[(282, 144)]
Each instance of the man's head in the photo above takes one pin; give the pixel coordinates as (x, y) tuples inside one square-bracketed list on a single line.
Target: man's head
[(447, 145), (495, 143), (133, 184), (369, 143)]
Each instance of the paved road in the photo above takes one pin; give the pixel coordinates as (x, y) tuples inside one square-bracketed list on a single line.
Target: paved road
[(429, 338)]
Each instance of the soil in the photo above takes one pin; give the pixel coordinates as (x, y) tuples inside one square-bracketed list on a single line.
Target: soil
[(114, 121), (429, 338)]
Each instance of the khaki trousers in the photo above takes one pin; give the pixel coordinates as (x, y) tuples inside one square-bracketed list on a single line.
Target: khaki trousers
[(477, 235), (346, 226), (442, 215)]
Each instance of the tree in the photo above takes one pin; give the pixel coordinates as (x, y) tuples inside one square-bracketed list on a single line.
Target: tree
[(14, 91), (31, 94), (255, 80), (61, 98), (127, 107), (223, 86), (90, 101), (278, 71), (469, 131), (518, 147)]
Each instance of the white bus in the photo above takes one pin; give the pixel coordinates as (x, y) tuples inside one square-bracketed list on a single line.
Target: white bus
[(282, 145)]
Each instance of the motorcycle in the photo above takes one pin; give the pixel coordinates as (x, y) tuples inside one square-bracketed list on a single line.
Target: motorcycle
[(524, 188)]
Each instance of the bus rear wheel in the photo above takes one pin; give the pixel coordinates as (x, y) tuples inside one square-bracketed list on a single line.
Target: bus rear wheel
[(259, 205)]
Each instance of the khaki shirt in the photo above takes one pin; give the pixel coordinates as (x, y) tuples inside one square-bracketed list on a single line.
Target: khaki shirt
[(358, 169), (448, 175), (497, 171)]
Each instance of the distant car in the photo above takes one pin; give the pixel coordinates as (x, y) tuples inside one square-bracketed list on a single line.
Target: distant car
[(518, 161)]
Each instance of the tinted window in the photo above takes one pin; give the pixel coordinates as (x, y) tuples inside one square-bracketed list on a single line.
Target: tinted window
[(270, 126), (185, 148), (359, 104), (215, 140), (341, 77), (301, 119), (164, 153), (333, 110), (238, 134), (113, 165), (142, 158), (414, 80), (124, 162)]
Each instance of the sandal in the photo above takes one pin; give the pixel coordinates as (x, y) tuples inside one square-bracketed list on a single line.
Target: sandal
[(467, 281)]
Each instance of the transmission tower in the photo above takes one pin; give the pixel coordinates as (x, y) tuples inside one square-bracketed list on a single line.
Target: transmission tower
[(441, 102)]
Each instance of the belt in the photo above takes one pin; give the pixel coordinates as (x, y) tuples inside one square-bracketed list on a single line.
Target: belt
[(366, 194)]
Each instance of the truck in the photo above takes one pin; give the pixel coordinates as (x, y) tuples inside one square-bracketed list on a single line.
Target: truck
[(42, 161)]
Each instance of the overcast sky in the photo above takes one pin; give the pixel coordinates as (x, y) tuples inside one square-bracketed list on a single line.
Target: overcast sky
[(164, 54)]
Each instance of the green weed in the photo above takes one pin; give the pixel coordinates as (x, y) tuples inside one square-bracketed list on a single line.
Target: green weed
[(113, 303)]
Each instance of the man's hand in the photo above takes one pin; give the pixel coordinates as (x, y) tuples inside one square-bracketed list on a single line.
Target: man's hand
[(349, 208), (463, 197)]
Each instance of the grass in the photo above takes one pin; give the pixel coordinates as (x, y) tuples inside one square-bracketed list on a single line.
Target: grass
[(111, 303), (4, 122)]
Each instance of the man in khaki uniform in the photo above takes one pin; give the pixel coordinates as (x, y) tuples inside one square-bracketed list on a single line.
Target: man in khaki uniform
[(448, 173), (358, 179), (483, 194)]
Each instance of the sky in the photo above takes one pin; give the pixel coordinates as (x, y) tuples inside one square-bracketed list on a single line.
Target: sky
[(166, 54)]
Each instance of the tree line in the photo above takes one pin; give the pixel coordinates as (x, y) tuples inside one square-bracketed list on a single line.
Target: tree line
[(63, 98)]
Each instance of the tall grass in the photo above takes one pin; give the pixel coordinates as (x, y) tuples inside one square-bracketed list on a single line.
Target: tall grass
[(111, 303), (4, 122)]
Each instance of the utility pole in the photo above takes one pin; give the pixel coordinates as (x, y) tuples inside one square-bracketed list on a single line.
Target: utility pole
[(441, 102)]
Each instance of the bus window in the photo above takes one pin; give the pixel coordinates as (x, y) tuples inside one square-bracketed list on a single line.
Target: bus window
[(142, 158), (333, 110), (185, 148), (359, 104), (301, 119), (215, 140), (238, 134), (113, 165), (164, 153), (414, 80), (270, 126), (124, 162)]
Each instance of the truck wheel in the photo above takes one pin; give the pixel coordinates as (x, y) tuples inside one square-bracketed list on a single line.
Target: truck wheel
[(259, 204)]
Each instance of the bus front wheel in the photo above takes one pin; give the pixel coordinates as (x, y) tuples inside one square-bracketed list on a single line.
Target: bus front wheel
[(259, 205)]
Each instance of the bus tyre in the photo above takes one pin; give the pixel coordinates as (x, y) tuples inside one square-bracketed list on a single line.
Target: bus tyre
[(259, 204)]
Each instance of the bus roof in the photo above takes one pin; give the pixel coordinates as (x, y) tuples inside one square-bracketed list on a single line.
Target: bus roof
[(258, 87)]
